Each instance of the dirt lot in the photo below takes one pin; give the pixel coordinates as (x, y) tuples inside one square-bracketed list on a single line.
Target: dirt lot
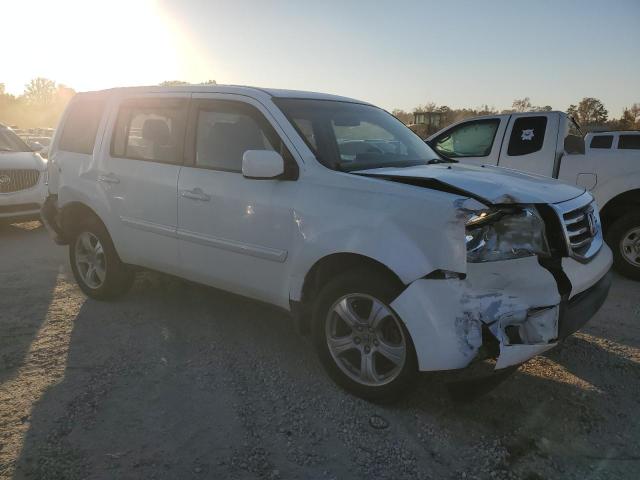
[(182, 381)]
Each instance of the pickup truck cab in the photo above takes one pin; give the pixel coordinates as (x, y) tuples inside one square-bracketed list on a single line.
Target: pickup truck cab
[(393, 259), (607, 164)]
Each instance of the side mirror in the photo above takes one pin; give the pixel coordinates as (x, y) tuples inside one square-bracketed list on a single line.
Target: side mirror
[(262, 164)]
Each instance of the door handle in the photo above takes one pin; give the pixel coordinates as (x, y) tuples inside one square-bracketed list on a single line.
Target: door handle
[(195, 194), (108, 178)]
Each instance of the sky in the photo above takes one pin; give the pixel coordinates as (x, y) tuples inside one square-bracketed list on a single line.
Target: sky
[(396, 54)]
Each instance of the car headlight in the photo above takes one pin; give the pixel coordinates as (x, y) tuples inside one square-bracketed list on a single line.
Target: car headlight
[(504, 234)]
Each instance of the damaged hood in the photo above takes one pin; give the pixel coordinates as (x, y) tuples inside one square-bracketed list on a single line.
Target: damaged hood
[(21, 161), (493, 185)]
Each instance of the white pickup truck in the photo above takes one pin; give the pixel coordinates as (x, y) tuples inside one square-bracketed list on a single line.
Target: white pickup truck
[(551, 144)]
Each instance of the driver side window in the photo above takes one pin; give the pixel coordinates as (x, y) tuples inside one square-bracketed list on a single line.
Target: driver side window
[(470, 139)]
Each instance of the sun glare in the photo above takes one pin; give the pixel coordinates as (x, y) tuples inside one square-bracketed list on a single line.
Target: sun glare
[(91, 45)]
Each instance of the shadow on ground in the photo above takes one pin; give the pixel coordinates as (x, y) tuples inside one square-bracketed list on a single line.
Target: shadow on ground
[(182, 381), (24, 295)]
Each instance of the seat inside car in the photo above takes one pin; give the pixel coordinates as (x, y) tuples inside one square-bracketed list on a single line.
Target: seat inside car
[(157, 141), (226, 143)]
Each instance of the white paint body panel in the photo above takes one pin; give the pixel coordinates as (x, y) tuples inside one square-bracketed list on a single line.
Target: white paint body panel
[(260, 238), (583, 276)]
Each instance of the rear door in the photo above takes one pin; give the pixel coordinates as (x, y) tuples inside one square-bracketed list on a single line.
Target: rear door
[(139, 175), (530, 143), (474, 141)]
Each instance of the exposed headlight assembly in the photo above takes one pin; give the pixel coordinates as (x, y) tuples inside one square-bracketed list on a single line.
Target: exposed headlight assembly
[(505, 233)]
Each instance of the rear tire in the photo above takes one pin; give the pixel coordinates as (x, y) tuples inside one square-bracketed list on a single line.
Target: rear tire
[(95, 264), (362, 343), (623, 237)]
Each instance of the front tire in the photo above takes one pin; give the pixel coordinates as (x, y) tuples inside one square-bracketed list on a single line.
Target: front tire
[(95, 264), (362, 343), (624, 239)]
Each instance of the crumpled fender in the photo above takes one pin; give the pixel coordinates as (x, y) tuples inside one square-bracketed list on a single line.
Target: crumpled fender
[(445, 317), (411, 236)]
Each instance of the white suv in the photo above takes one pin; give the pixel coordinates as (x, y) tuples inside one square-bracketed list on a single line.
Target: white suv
[(394, 259)]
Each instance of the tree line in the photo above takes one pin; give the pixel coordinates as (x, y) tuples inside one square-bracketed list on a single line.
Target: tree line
[(40, 105), (589, 112), (44, 100)]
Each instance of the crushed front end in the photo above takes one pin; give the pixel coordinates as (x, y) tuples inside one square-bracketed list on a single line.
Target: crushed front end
[(535, 274)]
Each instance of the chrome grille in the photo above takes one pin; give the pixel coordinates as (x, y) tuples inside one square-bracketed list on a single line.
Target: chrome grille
[(581, 225), (16, 180)]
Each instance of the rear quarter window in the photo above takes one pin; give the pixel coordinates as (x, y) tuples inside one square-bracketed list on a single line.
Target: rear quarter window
[(601, 141), (81, 126), (527, 135), (629, 142)]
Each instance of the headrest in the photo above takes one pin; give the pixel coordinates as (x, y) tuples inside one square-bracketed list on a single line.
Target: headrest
[(156, 131)]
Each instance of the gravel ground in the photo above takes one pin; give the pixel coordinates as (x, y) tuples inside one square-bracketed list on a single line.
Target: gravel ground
[(182, 381)]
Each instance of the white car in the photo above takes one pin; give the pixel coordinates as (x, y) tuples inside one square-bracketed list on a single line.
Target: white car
[(395, 260), (23, 178)]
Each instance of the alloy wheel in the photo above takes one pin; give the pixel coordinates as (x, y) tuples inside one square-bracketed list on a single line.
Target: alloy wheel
[(366, 339), (630, 246), (90, 260)]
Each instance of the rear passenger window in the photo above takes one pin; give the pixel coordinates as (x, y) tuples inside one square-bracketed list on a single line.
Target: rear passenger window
[(601, 141), (527, 135), (629, 142), (227, 129), (81, 126), (151, 130)]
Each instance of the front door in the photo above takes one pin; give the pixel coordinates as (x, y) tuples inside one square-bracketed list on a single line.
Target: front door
[(475, 141), (234, 233)]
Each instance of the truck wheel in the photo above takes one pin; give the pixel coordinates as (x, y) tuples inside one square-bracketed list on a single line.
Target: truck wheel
[(362, 343), (624, 239), (95, 263)]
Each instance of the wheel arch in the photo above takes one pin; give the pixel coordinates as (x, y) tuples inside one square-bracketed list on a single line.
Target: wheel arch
[(618, 206), (72, 213), (326, 268)]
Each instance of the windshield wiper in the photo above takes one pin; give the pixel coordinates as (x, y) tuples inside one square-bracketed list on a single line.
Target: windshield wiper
[(433, 161), (5, 149)]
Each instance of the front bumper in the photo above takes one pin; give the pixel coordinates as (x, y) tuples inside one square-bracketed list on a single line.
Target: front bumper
[(512, 310), (578, 310), (23, 204)]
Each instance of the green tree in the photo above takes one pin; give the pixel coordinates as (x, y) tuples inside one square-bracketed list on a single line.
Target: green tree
[(521, 105), (40, 91), (627, 121), (209, 82), (592, 111)]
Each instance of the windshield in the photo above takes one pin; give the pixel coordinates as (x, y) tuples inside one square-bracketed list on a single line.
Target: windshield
[(10, 142), (350, 136)]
